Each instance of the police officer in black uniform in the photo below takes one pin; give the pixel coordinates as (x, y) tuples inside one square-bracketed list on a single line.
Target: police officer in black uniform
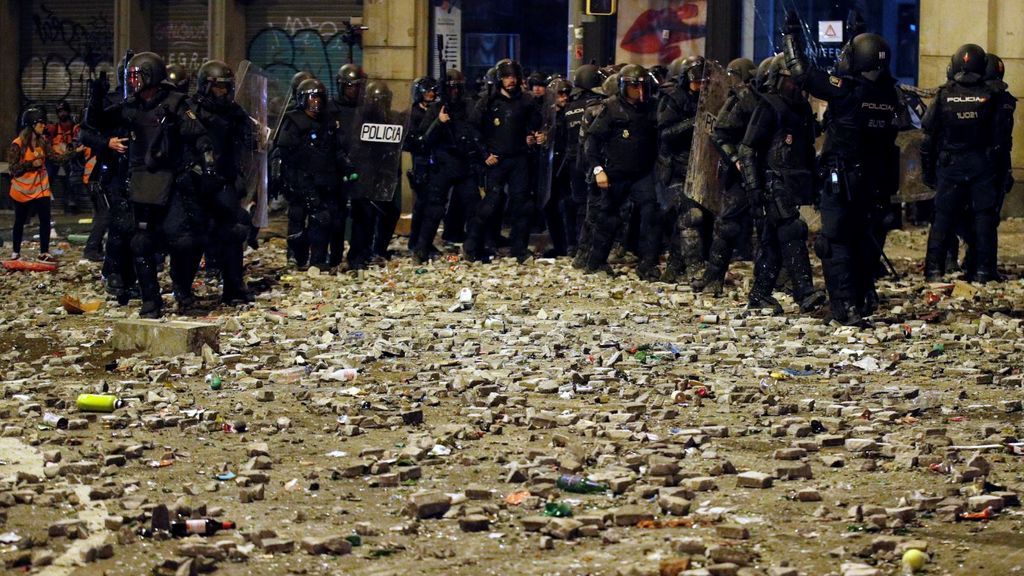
[(587, 81), (231, 132), (861, 162), (1006, 105), (108, 186), (508, 121), (609, 87), (167, 143), (730, 127), (777, 163), (350, 83), (555, 211), (677, 114), (621, 146), (425, 91), (456, 155), (962, 156), (314, 163)]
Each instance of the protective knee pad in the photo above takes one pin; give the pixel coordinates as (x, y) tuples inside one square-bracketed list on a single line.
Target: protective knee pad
[(822, 247), (794, 230), (693, 217)]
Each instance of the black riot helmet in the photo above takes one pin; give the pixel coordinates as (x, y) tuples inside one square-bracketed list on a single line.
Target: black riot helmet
[(350, 75), (968, 64), (658, 74), (454, 83), (588, 77), (674, 68), (378, 95), (761, 77), (507, 67), (420, 88), (215, 73), (635, 75), (610, 85), (691, 70), (305, 93), (298, 79), (32, 116), (177, 76), (144, 70), (776, 72), (742, 69), (536, 79), (866, 54), (994, 67), (560, 86)]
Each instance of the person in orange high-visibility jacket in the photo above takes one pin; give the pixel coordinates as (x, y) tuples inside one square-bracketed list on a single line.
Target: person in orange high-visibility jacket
[(30, 184)]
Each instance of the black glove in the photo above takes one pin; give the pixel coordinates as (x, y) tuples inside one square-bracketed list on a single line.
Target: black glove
[(793, 26)]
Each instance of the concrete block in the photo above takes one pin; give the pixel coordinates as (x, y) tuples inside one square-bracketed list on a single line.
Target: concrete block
[(164, 338)]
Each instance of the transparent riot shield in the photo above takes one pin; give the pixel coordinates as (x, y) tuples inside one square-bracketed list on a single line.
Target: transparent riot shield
[(702, 177), (251, 95), (375, 139)]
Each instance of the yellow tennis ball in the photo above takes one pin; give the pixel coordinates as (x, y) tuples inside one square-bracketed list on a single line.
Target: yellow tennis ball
[(914, 559)]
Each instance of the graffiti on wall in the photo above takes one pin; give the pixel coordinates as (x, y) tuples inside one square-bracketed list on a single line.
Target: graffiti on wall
[(66, 55), (301, 44), (184, 43)]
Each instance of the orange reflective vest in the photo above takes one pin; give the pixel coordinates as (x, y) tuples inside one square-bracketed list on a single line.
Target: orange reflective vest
[(34, 182), (90, 165)]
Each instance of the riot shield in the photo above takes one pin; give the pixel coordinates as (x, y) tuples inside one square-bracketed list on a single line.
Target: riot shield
[(251, 95), (702, 178), (375, 140), (547, 158)]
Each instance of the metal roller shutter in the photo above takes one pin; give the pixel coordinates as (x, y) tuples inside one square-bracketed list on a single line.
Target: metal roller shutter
[(285, 36), (62, 46), (180, 33)]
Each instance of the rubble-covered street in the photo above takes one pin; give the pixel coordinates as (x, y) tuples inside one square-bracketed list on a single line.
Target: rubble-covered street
[(381, 424)]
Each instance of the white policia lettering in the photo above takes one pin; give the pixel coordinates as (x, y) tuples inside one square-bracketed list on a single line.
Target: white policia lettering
[(880, 107), (965, 99), (386, 133)]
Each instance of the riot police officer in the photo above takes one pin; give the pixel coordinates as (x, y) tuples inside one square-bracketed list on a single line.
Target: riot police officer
[(961, 155), (508, 122), (621, 145), (350, 83), (587, 81), (730, 127), (555, 171), (425, 91), (777, 163), (608, 88), (861, 160), (456, 156), (167, 141), (677, 113), (1006, 105), (109, 184), (231, 133), (375, 212), (314, 164)]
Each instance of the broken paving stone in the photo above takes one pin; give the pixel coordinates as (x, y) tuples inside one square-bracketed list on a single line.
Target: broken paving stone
[(334, 545), (563, 528), (428, 504), (754, 480), (474, 523)]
